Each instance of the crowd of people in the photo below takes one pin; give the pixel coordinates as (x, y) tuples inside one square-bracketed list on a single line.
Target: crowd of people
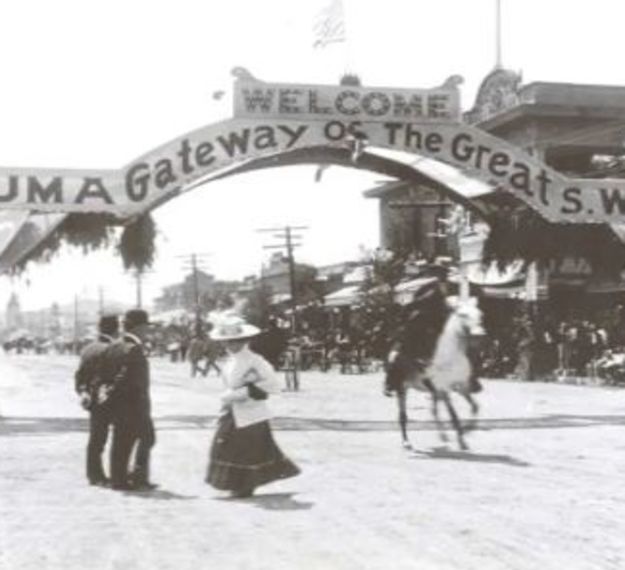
[(540, 346), (529, 344), (526, 345)]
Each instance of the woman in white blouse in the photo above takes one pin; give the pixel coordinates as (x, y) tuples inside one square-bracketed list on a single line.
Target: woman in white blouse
[(243, 454)]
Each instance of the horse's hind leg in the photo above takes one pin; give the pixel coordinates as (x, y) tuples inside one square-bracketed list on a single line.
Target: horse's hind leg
[(475, 407), (475, 410), (454, 420), (403, 417)]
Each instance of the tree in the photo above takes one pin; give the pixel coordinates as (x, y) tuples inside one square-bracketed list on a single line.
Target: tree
[(257, 309), (307, 287), (379, 314)]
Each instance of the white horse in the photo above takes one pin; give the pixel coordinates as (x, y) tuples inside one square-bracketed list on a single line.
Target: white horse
[(449, 369)]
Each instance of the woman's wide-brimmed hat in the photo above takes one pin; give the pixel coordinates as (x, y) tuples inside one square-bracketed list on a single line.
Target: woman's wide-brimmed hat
[(233, 330)]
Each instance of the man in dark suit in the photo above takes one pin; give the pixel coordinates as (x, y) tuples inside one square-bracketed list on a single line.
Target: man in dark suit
[(133, 426), (94, 390)]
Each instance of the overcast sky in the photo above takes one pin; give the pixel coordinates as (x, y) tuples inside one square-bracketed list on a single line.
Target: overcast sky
[(90, 84)]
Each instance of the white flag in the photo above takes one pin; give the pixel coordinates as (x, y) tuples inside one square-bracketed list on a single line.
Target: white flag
[(329, 26)]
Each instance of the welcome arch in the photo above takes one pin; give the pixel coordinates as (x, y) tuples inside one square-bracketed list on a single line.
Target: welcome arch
[(277, 124)]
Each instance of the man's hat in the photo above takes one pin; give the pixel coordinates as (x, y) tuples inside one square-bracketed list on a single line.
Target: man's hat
[(233, 329), (108, 323), (135, 318)]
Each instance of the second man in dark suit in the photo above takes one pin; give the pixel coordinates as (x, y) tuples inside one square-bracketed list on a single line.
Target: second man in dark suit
[(132, 421)]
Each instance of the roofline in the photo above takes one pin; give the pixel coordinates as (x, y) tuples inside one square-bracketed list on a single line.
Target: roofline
[(571, 84), (386, 187), (518, 112)]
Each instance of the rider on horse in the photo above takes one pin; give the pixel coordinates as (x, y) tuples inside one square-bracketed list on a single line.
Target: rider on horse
[(416, 337), (432, 351)]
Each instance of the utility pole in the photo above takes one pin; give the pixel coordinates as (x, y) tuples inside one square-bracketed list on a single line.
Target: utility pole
[(139, 276), (194, 262), (289, 243), (139, 285)]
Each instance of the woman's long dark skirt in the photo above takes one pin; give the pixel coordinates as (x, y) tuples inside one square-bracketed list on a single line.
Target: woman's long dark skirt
[(242, 459)]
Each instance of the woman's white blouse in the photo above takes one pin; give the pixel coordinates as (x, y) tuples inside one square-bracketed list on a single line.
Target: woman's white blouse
[(242, 368)]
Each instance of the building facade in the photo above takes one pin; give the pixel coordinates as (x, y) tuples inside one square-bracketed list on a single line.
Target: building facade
[(578, 130)]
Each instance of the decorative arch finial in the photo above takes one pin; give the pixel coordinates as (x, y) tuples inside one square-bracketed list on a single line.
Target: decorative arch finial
[(244, 74), (453, 82)]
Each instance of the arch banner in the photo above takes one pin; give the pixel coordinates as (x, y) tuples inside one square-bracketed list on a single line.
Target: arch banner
[(183, 163)]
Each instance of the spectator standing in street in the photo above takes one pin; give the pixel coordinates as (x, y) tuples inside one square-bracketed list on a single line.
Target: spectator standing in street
[(94, 390), (127, 363), (213, 353), (243, 454), (197, 353)]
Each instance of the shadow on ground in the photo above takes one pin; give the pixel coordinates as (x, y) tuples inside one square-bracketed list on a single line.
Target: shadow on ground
[(446, 453), (159, 495), (273, 502)]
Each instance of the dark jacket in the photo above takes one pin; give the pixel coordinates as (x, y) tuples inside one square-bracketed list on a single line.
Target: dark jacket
[(89, 377), (416, 340), (127, 364), (423, 327)]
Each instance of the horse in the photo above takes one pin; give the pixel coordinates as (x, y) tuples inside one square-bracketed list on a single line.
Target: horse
[(441, 370), (203, 350)]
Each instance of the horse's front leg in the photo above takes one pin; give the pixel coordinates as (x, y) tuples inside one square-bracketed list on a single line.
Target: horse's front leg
[(454, 420), (403, 417), (435, 400)]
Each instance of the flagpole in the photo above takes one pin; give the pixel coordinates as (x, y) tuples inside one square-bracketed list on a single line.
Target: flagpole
[(330, 28), (498, 64), (349, 64)]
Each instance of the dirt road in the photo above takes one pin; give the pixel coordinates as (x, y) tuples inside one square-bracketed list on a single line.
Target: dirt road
[(542, 488)]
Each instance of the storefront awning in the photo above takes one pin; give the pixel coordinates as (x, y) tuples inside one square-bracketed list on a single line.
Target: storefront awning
[(518, 292), (343, 297), (405, 292), (493, 276)]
